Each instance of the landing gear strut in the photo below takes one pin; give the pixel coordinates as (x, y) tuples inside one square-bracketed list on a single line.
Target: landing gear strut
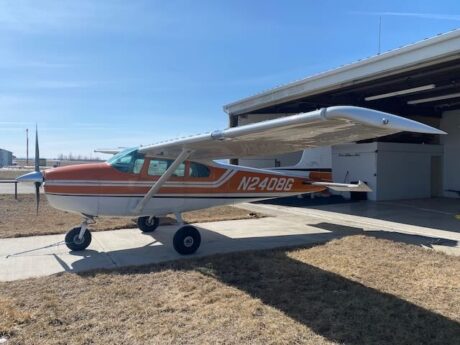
[(79, 238)]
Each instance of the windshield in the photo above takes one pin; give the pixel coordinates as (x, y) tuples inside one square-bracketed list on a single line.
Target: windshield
[(128, 161), (120, 154)]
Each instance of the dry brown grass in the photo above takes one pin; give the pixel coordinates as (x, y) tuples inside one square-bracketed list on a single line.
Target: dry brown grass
[(11, 317), (433, 279), (18, 218), (356, 290)]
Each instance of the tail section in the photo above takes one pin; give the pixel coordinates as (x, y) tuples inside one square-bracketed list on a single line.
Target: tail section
[(320, 176), (323, 178)]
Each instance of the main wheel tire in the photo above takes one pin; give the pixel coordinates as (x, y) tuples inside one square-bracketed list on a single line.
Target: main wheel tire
[(187, 240), (148, 224), (73, 242)]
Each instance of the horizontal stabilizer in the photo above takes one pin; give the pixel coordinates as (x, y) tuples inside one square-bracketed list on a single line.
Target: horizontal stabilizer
[(345, 187)]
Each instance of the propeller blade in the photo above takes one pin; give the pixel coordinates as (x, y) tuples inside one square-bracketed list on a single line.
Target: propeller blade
[(37, 151), (37, 195), (37, 169)]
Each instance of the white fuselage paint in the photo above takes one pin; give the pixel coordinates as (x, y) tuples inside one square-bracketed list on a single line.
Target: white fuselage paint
[(124, 205)]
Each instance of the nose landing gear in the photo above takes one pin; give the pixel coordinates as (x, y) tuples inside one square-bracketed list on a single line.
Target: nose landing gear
[(79, 238)]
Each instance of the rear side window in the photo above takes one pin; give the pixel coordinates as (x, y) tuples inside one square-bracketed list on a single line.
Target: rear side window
[(198, 170)]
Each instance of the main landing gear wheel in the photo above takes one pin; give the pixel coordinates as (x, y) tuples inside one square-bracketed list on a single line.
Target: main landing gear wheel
[(74, 242), (187, 240), (148, 224)]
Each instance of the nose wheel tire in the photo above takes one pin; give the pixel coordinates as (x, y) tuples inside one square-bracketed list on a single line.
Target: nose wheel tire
[(73, 242), (148, 224), (187, 240)]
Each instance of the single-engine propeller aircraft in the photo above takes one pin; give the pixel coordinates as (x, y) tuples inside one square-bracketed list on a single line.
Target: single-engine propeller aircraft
[(181, 175)]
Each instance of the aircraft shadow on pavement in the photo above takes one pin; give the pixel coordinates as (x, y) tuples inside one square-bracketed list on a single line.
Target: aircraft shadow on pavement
[(160, 248), (332, 306)]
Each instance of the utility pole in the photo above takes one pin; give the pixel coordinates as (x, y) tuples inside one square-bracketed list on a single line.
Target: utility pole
[(27, 146), (380, 33)]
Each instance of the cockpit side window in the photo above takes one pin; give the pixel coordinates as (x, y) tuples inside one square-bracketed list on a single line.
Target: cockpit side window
[(128, 161), (138, 163), (198, 170)]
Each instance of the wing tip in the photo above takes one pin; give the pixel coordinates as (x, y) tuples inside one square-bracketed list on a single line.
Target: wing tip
[(381, 119)]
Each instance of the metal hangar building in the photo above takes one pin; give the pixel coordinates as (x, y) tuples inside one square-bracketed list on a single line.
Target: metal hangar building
[(6, 158), (420, 81)]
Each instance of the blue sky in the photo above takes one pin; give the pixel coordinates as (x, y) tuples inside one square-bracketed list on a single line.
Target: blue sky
[(123, 73)]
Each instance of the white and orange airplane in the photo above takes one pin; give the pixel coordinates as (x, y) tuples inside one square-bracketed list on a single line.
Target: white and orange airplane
[(181, 174)]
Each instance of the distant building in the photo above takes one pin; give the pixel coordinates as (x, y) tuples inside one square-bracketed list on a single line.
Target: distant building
[(6, 158)]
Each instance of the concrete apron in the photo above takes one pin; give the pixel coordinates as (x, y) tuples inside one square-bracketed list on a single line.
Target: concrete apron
[(37, 256), (44, 255), (386, 220)]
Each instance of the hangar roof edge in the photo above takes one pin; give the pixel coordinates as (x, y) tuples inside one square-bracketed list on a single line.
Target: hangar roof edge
[(422, 53)]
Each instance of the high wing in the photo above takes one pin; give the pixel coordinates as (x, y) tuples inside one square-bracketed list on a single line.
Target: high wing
[(323, 127)]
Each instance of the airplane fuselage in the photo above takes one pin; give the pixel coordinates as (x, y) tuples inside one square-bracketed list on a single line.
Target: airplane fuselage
[(102, 189)]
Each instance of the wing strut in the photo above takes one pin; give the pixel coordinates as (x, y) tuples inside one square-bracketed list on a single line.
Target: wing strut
[(163, 178)]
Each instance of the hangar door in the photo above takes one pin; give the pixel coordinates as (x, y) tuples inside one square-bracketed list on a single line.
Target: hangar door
[(394, 171)]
